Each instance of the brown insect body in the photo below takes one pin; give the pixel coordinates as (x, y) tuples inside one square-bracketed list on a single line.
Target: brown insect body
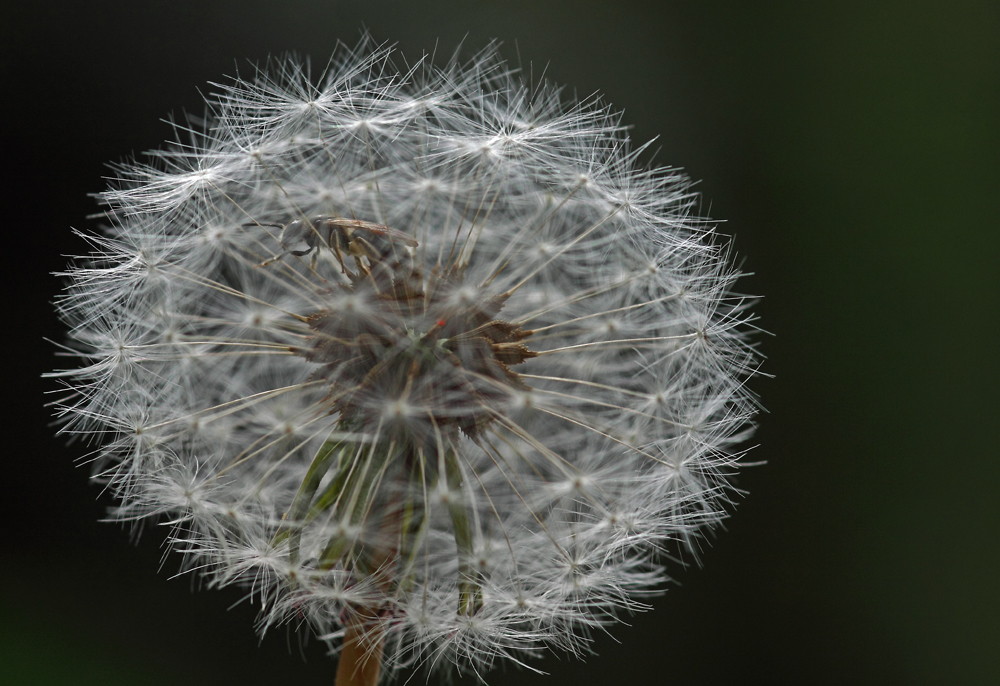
[(343, 236)]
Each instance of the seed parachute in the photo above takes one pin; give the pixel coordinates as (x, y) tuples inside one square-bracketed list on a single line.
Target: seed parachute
[(423, 358)]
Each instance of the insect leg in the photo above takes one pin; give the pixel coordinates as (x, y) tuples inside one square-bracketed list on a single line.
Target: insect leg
[(335, 246)]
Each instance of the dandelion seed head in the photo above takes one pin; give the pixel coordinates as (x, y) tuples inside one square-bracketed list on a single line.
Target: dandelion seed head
[(421, 356)]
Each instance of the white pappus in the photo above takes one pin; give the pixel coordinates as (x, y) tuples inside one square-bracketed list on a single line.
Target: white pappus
[(421, 357)]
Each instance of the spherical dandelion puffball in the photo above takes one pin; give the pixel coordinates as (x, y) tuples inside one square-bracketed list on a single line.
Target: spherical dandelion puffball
[(422, 354)]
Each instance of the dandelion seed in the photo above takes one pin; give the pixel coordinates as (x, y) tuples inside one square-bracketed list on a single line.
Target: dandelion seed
[(421, 357)]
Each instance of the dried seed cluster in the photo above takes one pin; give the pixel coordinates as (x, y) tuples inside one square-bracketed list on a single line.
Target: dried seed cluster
[(421, 357), (429, 347)]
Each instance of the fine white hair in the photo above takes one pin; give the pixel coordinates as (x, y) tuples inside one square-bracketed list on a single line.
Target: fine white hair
[(484, 449)]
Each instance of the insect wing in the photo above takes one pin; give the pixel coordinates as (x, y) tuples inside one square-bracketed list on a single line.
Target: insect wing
[(401, 237), (378, 229)]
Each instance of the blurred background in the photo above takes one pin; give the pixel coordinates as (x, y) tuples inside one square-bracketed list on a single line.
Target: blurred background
[(851, 149)]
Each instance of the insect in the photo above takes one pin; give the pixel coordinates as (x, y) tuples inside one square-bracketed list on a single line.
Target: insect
[(354, 237)]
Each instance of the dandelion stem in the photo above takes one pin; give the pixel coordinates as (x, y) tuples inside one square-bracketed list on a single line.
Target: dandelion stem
[(361, 656)]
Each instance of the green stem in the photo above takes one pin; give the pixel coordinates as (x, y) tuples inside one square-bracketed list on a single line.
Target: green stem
[(470, 592)]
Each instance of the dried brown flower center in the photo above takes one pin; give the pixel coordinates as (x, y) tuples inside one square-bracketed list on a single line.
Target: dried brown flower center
[(423, 354)]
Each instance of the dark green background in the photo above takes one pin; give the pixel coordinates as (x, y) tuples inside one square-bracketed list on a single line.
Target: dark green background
[(852, 148)]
